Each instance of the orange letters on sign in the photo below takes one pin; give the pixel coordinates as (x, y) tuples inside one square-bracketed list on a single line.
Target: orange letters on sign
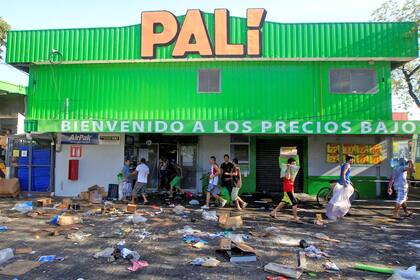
[(193, 36), (193, 28), (149, 38), (221, 40), (254, 21)]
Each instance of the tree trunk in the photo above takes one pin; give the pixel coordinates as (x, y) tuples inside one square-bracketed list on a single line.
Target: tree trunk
[(407, 78)]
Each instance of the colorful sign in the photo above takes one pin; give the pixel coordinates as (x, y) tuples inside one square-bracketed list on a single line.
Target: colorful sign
[(193, 35), (79, 138), (365, 154), (76, 129)]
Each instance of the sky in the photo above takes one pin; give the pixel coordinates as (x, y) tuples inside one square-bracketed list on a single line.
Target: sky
[(52, 14), (45, 14)]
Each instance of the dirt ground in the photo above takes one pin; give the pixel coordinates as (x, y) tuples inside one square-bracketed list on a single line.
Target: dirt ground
[(367, 236)]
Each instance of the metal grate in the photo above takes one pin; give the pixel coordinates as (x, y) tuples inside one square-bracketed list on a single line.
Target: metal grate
[(209, 81)]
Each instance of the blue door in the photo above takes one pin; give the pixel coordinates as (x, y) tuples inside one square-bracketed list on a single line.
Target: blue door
[(40, 166)]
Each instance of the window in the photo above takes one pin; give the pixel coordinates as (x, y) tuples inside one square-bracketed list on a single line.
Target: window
[(239, 148), (209, 81), (353, 81)]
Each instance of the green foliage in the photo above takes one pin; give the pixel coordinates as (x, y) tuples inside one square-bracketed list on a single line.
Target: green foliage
[(4, 27), (408, 10)]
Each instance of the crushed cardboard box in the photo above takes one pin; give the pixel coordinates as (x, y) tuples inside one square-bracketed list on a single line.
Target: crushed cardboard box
[(65, 220), (227, 221), (44, 202), (9, 187)]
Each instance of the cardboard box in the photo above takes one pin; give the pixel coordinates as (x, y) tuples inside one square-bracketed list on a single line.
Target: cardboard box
[(44, 202), (230, 222), (68, 220), (66, 202), (84, 196), (131, 208), (225, 244), (9, 186), (103, 192), (95, 196)]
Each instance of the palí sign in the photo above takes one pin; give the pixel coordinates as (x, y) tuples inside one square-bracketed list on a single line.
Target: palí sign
[(161, 28), (242, 126)]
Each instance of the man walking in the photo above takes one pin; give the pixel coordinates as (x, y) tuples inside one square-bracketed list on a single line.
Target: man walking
[(288, 189), (212, 188), (399, 180), (142, 172), (226, 168)]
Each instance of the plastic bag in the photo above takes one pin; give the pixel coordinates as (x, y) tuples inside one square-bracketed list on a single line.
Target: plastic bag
[(23, 207), (210, 216), (130, 255), (409, 274)]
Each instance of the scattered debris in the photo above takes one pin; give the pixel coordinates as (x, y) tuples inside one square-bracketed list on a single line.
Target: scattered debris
[(194, 202), (106, 253), (131, 208), (136, 265), (49, 258), (283, 270), (19, 267), (227, 221), (23, 207), (78, 236), (44, 202), (24, 250), (365, 267), (330, 266), (323, 236), (313, 252), (408, 274), (301, 259), (207, 262), (179, 209), (5, 255), (209, 216), (414, 243), (3, 228), (65, 220)]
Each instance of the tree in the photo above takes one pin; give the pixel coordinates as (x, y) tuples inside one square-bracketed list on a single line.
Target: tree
[(405, 78), (4, 27)]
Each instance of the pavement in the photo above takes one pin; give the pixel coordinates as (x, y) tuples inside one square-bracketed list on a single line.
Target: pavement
[(368, 235)]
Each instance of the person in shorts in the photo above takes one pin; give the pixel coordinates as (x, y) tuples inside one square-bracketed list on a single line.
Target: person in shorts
[(212, 188), (142, 172), (400, 183), (176, 177), (237, 184), (288, 189), (126, 184)]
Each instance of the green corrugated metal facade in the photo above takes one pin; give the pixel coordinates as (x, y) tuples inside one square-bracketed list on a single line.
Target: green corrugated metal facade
[(251, 90), (280, 40), (266, 88)]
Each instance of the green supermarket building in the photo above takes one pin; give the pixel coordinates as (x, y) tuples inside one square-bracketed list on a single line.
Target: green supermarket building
[(324, 88)]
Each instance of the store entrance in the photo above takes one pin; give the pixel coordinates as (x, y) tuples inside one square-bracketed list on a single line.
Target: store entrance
[(268, 171), (153, 147)]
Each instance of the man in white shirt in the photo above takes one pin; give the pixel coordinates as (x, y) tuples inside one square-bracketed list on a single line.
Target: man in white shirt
[(142, 172)]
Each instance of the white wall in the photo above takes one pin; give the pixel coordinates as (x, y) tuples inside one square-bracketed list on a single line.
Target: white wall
[(317, 165), (211, 145), (99, 165)]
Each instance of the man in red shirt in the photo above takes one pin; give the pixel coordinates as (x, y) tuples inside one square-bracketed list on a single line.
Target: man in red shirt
[(288, 189)]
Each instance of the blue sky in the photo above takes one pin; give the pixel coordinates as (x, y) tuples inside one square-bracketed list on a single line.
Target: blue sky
[(45, 14)]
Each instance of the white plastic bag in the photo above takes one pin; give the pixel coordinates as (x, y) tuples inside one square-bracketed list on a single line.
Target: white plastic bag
[(210, 216), (339, 204), (409, 274)]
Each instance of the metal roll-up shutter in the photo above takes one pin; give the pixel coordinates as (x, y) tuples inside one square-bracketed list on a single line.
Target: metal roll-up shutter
[(268, 171)]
